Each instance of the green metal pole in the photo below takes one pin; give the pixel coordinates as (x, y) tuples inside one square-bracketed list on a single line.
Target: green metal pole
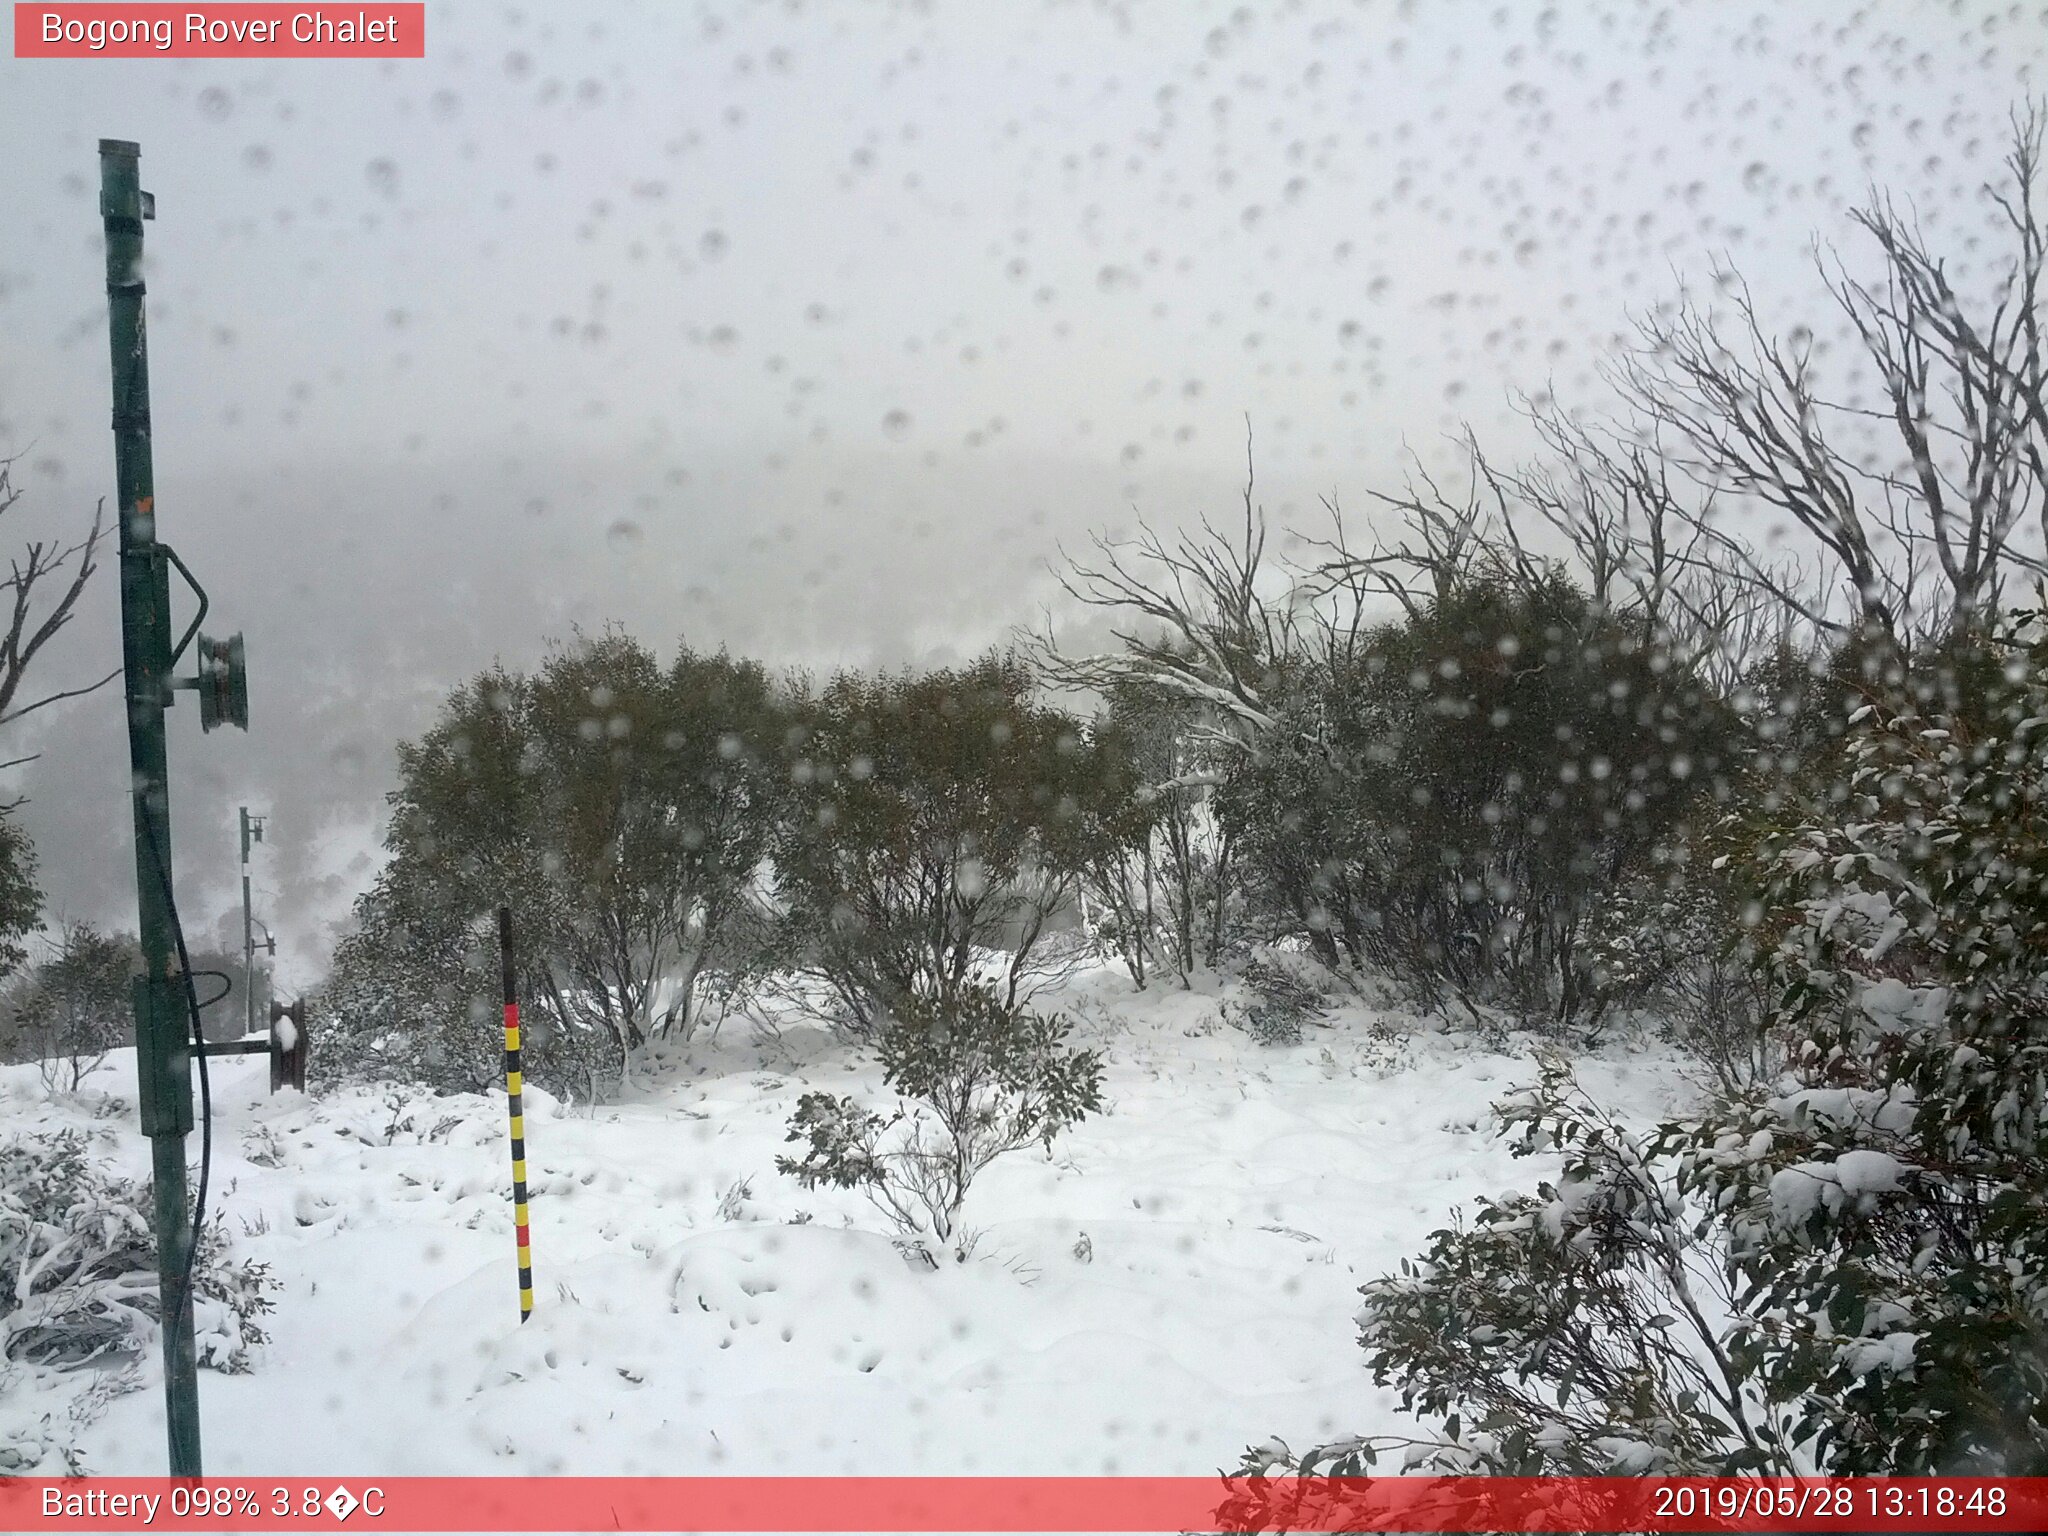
[(163, 1041), (248, 939)]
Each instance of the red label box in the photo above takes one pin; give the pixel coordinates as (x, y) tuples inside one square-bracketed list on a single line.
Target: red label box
[(371, 30), (1661, 1506)]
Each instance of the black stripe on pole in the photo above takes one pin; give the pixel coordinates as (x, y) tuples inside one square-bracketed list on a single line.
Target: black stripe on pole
[(508, 995)]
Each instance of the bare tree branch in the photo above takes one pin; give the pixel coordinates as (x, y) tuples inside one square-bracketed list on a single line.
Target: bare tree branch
[(25, 632)]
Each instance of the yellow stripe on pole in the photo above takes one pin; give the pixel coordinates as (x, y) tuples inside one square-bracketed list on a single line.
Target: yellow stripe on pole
[(512, 1081), (511, 1037), (519, 1127), (519, 1170)]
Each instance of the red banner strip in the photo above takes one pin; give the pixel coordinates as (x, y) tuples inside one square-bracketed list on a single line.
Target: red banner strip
[(369, 29), (1047, 1504)]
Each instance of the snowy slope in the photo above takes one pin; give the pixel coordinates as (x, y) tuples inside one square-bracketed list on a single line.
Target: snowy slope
[(1176, 1282)]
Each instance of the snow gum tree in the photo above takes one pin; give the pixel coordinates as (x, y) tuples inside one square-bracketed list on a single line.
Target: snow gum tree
[(937, 821), (1159, 888), (412, 999), (1840, 1264), (621, 807), (72, 1009), (45, 582), (1841, 1269), (1460, 795)]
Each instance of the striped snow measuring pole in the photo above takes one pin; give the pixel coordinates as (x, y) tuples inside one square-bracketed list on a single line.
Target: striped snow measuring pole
[(514, 1106)]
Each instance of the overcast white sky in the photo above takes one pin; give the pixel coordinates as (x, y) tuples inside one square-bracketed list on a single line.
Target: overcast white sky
[(811, 329)]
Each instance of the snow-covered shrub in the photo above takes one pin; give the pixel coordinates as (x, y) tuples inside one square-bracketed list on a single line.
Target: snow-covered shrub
[(1279, 1000), (45, 1410), (413, 998), (262, 1146), (1578, 1330), (1156, 890), (1844, 1270), (411, 1115), (1886, 1214), (1448, 800), (935, 820), (1676, 947), (78, 1277), (981, 1078), (72, 1007), (1272, 1023), (735, 1203), (1641, 937), (21, 898)]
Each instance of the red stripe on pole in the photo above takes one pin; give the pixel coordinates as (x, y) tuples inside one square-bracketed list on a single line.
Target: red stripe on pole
[(520, 1232), (1048, 1504)]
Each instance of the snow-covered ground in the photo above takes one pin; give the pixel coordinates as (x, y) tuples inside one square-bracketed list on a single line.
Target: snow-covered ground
[(1177, 1281)]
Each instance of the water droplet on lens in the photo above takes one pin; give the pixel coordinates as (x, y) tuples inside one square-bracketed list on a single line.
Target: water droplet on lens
[(712, 244), (215, 104), (897, 424), (624, 535)]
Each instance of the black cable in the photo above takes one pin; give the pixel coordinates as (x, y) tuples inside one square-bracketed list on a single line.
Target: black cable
[(227, 985), (198, 1041)]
